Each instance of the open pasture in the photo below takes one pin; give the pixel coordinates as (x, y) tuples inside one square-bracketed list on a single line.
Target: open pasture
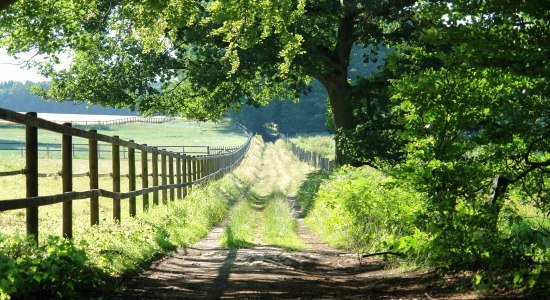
[(322, 144), (172, 133)]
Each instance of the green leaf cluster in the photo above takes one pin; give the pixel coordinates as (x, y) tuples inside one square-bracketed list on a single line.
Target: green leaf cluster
[(55, 268), (363, 210)]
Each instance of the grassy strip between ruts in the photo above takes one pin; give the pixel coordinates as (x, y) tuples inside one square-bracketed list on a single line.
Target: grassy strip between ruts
[(60, 268), (264, 216)]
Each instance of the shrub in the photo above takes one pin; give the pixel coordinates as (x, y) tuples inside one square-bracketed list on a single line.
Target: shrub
[(363, 210), (53, 268)]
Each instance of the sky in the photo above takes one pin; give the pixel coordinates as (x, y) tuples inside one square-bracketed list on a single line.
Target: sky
[(9, 70)]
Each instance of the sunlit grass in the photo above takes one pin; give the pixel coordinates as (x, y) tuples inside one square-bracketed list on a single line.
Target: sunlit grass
[(279, 224), (264, 216), (320, 144), (240, 230)]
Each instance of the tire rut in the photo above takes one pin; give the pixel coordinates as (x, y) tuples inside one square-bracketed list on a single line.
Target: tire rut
[(207, 271)]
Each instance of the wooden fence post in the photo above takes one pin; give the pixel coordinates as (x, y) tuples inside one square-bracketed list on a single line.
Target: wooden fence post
[(171, 176), (144, 177), (184, 176), (132, 178), (164, 179), (178, 176), (209, 166), (155, 176), (31, 176), (116, 178), (194, 173), (67, 177), (189, 174), (94, 179), (219, 167), (201, 168)]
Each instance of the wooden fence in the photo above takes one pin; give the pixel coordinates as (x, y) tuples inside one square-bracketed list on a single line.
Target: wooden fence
[(104, 150), (178, 172), (122, 121), (313, 159)]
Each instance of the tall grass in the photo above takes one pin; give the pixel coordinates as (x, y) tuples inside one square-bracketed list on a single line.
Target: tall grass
[(320, 144), (264, 216), (112, 249), (240, 230), (279, 226)]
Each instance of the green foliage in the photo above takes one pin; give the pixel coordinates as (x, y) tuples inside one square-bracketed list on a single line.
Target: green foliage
[(363, 210), (472, 102), (54, 268), (201, 59)]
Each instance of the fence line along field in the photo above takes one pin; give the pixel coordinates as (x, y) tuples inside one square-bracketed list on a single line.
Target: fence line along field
[(172, 134), (178, 133), (322, 143)]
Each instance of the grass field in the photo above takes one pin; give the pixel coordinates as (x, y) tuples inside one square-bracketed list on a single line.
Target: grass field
[(171, 133), (320, 144)]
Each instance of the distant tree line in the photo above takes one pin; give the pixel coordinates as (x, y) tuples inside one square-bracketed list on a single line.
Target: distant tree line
[(17, 96), (285, 116)]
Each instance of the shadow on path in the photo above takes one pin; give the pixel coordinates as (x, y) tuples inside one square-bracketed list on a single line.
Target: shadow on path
[(219, 284)]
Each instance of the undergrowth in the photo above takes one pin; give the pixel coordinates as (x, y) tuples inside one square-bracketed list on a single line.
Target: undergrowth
[(92, 261), (366, 211), (362, 210)]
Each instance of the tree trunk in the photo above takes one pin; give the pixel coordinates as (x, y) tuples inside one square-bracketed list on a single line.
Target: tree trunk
[(340, 97), (496, 201), (336, 82)]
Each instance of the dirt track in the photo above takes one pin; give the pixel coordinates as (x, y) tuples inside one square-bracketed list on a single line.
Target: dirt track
[(316, 272)]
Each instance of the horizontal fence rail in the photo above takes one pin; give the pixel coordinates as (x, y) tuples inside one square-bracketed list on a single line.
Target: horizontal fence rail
[(104, 150), (114, 122), (311, 158), (178, 171)]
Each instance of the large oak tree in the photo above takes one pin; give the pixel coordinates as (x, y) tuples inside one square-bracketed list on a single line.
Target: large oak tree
[(199, 58)]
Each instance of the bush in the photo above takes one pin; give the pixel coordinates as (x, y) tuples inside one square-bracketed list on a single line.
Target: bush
[(363, 210), (53, 268)]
